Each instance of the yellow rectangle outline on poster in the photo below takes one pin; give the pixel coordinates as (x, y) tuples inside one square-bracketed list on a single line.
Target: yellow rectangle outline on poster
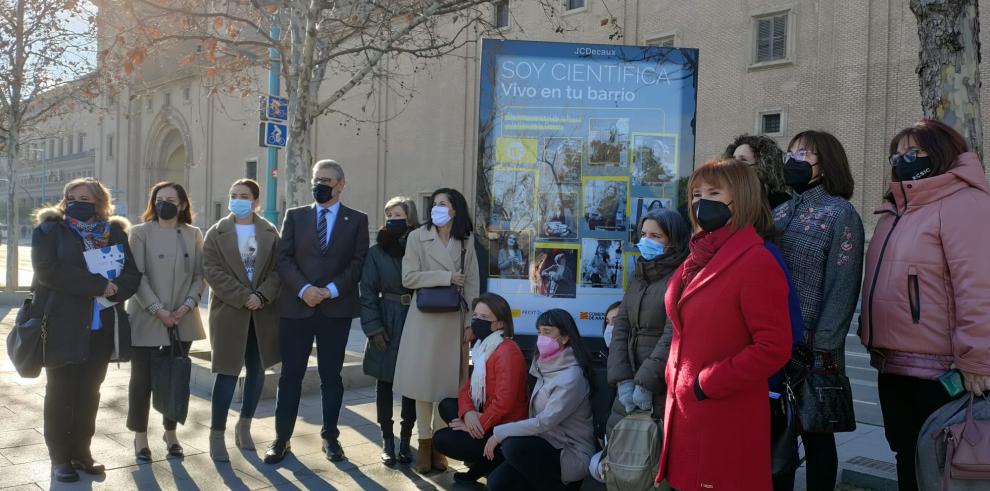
[(677, 151), (536, 192), (563, 245), (536, 155), (584, 206)]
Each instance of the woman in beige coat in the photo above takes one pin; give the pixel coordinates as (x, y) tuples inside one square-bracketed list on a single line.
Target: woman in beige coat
[(169, 252), (239, 259), (429, 365)]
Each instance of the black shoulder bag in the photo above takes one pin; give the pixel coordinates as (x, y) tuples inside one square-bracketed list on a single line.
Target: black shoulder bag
[(439, 299)]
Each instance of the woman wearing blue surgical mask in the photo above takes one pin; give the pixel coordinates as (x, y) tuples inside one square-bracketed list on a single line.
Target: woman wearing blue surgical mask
[(239, 263), (384, 306), (432, 359), (641, 336)]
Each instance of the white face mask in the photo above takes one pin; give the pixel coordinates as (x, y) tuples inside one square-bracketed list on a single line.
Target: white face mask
[(440, 215), (608, 335)]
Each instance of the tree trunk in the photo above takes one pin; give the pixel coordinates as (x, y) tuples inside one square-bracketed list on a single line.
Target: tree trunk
[(299, 157), (12, 228), (949, 65)]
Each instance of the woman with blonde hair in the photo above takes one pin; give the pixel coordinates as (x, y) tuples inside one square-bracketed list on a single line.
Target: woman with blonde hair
[(84, 316), (384, 305)]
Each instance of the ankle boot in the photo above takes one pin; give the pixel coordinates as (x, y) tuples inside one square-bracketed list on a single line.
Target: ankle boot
[(388, 451), (405, 452), (424, 458), (242, 434), (439, 460), (141, 451), (218, 447)]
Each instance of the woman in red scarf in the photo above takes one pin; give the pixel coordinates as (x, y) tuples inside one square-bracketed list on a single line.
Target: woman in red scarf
[(728, 305)]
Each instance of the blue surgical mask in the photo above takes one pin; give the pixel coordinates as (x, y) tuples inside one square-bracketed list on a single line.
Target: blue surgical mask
[(440, 215), (649, 248), (241, 208), (607, 335)]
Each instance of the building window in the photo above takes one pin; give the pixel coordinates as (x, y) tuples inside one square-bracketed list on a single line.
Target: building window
[(251, 169), (110, 147), (185, 94), (502, 14), (575, 4), (167, 99), (82, 140), (147, 104), (661, 41), (771, 124), (217, 211), (68, 146), (61, 147), (771, 38), (51, 150)]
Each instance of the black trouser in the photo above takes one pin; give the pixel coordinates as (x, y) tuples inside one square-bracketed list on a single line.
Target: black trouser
[(296, 337), (906, 402), (530, 463), (783, 481), (72, 398), (821, 460), (384, 394), (460, 445), (139, 390)]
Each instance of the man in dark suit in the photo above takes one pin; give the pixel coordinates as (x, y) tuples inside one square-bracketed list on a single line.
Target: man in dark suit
[(320, 254)]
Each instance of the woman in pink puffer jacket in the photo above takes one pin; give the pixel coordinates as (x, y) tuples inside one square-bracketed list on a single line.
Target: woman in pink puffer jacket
[(926, 296)]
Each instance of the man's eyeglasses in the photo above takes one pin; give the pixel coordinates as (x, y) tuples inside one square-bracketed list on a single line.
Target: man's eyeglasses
[(323, 180)]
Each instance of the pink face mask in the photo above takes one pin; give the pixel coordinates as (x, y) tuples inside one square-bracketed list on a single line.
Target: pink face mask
[(548, 347)]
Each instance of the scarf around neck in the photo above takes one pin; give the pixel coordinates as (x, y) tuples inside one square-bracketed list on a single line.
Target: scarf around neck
[(479, 355), (94, 235), (704, 245)]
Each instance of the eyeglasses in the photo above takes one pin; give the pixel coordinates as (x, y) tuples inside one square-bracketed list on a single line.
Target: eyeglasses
[(907, 157), (322, 180), (801, 155)]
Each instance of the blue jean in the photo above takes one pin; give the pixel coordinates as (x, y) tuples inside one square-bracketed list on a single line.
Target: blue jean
[(296, 337), (254, 382)]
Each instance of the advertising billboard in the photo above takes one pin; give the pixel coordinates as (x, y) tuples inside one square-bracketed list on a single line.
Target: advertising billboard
[(576, 143)]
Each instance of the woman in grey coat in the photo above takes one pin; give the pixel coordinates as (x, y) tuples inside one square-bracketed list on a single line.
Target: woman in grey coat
[(168, 250), (641, 334), (384, 305), (552, 448)]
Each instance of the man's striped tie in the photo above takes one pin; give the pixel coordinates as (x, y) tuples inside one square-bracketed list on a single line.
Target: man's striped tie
[(321, 230)]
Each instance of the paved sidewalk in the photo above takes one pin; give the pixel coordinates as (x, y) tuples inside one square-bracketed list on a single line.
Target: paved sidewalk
[(24, 461)]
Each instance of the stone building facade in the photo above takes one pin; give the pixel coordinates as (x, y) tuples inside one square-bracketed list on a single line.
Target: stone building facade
[(766, 66)]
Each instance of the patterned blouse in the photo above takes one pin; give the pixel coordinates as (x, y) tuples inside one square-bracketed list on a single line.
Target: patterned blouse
[(823, 247)]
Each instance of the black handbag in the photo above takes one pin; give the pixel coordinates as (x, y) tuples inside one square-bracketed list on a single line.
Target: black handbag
[(26, 341), (439, 299), (784, 434), (170, 371), (823, 395)]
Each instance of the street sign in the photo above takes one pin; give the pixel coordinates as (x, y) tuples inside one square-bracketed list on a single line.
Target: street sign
[(272, 134), (274, 108)]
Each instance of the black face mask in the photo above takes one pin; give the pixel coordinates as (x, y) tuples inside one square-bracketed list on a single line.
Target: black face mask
[(912, 171), (166, 210), (797, 175), (712, 215), (322, 193), (481, 328), (80, 210), (397, 226)]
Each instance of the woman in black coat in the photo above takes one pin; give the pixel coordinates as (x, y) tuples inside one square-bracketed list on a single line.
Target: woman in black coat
[(83, 313), (384, 305)]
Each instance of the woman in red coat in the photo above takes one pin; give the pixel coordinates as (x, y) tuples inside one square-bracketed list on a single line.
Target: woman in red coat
[(494, 394), (728, 306)]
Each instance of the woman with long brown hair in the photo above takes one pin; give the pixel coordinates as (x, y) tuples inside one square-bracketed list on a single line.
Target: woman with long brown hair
[(168, 250)]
